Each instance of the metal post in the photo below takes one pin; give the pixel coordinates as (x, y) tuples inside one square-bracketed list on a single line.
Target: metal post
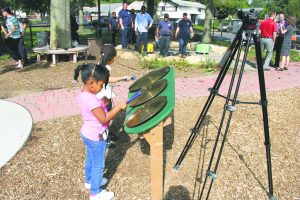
[(99, 16), (31, 40)]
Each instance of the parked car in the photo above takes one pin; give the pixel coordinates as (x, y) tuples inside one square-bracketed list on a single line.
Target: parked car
[(225, 27)]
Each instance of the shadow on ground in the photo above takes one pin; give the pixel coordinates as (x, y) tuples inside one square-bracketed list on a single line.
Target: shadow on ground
[(178, 193), (116, 155)]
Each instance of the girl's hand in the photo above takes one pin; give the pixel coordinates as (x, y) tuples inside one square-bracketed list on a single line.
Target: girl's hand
[(123, 105), (105, 100)]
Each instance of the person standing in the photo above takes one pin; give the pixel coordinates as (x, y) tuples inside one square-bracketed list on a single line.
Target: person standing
[(184, 30), (74, 29), (143, 23), (268, 30), (21, 46), (281, 25), (287, 43), (13, 36), (113, 27), (132, 30), (125, 24), (164, 32)]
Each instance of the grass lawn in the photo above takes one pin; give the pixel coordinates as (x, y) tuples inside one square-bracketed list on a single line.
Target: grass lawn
[(84, 33)]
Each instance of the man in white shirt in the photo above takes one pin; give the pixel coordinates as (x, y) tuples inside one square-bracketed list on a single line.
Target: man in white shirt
[(143, 23)]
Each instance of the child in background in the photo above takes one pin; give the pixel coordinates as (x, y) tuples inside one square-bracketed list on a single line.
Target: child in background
[(96, 121), (108, 56)]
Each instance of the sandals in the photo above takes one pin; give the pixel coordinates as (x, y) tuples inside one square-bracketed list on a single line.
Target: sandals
[(285, 68), (278, 69)]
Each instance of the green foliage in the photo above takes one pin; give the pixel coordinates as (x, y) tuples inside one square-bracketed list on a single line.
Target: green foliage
[(222, 43), (208, 66), (153, 63), (295, 55), (4, 57), (41, 6)]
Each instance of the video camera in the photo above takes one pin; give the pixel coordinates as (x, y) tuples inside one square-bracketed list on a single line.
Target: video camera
[(249, 18)]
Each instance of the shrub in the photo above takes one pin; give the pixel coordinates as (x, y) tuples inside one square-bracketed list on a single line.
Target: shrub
[(181, 64)]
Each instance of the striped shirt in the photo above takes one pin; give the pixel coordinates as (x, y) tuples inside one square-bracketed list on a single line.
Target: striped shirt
[(12, 20)]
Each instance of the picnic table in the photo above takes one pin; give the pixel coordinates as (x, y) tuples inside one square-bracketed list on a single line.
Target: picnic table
[(73, 52)]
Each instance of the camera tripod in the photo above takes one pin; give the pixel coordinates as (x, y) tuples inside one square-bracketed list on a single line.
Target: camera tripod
[(243, 37)]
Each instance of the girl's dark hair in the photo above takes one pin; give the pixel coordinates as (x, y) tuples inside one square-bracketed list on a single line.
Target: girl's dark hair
[(92, 70), (292, 21), (107, 52), (7, 9)]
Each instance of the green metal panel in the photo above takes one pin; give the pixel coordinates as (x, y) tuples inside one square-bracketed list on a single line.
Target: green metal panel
[(202, 48), (169, 92)]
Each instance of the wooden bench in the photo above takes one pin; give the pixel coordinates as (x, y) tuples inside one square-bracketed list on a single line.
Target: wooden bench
[(73, 52)]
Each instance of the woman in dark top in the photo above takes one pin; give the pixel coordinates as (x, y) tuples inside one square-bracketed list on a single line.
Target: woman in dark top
[(287, 43)]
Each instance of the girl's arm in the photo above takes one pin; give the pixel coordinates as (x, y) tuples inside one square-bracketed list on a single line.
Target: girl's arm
[(3, 30), (106, 117), (117, 79), (12, 28)]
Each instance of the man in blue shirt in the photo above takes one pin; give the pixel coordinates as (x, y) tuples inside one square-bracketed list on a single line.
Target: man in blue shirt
[(125, 24), (184, 31), (164, 32), (143, 23), (113, 27)]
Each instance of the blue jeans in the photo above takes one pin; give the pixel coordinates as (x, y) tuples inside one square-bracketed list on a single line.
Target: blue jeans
[(164, 43), (94, 163), (182, 44), (124, 39), (142, 36)]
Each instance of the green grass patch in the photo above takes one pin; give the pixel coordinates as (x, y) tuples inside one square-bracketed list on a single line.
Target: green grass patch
[(295, 55), (84, 33)]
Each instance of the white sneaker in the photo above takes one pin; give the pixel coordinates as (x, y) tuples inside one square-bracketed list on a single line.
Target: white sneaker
[(103, 182), (17, 63), (103, 195), (20, 65)]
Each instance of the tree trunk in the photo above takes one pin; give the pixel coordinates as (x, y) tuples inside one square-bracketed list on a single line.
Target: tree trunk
[(150, 7), (207, 23), (60, 27)]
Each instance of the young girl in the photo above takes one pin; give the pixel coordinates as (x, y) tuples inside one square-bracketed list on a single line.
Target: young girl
[(96, 121), (108, 55)]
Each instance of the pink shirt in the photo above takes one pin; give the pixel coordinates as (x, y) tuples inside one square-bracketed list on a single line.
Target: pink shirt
[(91, 128)]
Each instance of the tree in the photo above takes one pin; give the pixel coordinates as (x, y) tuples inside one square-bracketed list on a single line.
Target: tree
[(39, 6), (77, 7), (60, 29), (229, 7), (293, 9)]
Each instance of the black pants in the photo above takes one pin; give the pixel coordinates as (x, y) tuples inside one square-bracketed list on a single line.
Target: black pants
[(12, 45), (113, 37), (277, 49), (22, 50)]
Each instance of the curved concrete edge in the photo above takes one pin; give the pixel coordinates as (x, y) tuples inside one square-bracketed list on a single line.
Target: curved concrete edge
[(15, 129)]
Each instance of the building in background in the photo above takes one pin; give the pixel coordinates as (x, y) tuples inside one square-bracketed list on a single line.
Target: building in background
[(175, 8)]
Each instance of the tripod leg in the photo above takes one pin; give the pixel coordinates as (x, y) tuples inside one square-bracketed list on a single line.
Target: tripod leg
[(264, 104), (226, 108), (230, 115), (224, 64)]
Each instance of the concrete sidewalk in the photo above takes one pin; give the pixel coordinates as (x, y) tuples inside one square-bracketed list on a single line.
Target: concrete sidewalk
[(62, 103)]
